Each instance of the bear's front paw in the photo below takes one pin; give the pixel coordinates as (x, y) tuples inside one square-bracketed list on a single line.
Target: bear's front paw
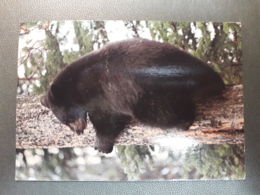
[(104, 149), (104, 145)]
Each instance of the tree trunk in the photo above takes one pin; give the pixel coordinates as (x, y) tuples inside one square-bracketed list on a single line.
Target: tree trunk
[(220, 120)]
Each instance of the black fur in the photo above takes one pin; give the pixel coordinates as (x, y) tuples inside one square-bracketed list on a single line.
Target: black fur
[(136, 79)]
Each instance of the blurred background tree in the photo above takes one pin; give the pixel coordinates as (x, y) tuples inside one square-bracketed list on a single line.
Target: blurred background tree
[(135, 160), (43, 59), (218, 161), (217, 44)]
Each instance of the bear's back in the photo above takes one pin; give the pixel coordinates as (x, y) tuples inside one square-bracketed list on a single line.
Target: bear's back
[(156, 65)]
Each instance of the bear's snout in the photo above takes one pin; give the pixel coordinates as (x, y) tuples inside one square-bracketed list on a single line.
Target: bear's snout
[(78, 126)]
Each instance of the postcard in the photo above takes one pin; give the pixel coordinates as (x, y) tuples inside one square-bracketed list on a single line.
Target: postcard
[(129, 101)]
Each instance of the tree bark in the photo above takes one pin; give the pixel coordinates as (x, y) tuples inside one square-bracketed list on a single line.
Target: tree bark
[(219, 120)]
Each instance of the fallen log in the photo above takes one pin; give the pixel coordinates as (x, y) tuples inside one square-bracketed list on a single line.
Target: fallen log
[(219, 120)]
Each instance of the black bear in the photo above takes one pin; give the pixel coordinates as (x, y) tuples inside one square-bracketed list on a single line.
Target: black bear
[(139, 80)]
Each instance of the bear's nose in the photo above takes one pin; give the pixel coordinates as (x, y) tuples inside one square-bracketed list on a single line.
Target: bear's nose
[(78, 126)]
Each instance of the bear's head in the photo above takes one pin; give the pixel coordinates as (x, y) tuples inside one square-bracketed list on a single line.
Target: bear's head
[(65, 109)]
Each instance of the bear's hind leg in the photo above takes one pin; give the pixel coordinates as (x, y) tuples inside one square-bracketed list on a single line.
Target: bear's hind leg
[(166, 110)]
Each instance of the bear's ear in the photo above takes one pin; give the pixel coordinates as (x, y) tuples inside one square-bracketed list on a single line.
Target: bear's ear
[(44, 101)]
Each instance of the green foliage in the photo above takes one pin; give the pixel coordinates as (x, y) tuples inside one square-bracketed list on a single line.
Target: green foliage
[(84, 38), (54, 61), (100, 37), (134, 27), (218, 161), (44, 59), (222, 50), (135, 159), (69, 57), (177, 33), (218, 44)]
